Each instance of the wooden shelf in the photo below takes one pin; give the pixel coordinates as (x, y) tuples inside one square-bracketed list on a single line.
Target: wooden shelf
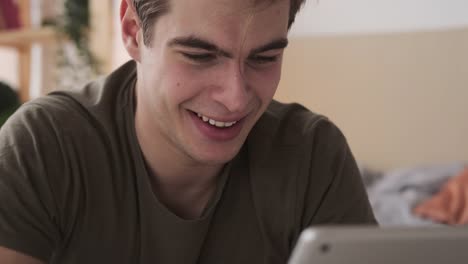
[(100, 39), (15, 38)]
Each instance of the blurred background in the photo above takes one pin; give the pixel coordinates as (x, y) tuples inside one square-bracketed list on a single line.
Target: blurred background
[(393, 74)]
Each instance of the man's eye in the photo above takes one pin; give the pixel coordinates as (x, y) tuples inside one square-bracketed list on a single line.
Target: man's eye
[(200, 57), (257, 59)]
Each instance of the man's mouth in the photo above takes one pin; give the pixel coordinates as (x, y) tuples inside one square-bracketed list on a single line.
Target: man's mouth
[(218, 128), (216, 123)]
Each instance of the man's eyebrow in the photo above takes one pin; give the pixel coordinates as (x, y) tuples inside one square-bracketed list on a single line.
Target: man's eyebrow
[(198, 43), (280, 43)]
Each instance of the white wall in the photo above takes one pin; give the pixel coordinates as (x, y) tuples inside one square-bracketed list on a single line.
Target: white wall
[(370, 16)]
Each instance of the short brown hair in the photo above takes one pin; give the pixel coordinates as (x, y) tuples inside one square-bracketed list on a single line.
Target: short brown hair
[(149, 10)]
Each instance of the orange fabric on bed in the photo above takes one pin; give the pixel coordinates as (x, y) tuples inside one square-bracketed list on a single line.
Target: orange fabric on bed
[(450, 204)]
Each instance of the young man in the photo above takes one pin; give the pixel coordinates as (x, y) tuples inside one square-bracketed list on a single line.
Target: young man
[(179, 156)]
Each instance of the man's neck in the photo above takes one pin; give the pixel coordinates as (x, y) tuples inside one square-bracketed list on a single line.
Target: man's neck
[(181, 184)]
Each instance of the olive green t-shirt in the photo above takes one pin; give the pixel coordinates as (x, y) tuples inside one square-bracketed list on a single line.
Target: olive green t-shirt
[(74, 187)]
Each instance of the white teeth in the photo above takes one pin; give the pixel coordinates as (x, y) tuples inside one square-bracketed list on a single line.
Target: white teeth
[(214, 122)]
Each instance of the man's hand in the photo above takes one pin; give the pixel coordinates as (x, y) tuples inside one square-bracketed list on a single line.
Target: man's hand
[(8, 256)]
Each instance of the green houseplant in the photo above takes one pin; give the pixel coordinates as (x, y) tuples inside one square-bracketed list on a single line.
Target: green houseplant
[(74, 24)]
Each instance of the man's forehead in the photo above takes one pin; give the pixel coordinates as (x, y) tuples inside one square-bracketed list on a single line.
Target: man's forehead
[(230, 4), (195, 13), (228, 24), (227, 2)]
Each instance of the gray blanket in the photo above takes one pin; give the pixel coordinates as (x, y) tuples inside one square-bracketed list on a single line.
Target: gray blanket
[(394, 194)]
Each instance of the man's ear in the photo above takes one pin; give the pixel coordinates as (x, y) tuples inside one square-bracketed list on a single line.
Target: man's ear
[(131, 30)]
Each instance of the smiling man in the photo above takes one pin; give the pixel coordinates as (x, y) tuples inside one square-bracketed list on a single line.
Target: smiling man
[(179, 156)]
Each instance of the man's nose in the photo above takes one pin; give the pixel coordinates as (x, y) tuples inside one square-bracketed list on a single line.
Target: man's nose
[(233, 91)]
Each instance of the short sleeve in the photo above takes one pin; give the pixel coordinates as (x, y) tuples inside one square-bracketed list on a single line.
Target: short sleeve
[(335, 187), (27, 208)]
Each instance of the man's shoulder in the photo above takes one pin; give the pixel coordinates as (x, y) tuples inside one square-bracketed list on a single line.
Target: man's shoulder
[(291, 136), (47, 115), (98, 101), (103, 93), (292, 125), (292, 152)]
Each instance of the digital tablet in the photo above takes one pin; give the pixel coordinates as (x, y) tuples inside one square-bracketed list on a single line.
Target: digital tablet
[(374, 245)]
